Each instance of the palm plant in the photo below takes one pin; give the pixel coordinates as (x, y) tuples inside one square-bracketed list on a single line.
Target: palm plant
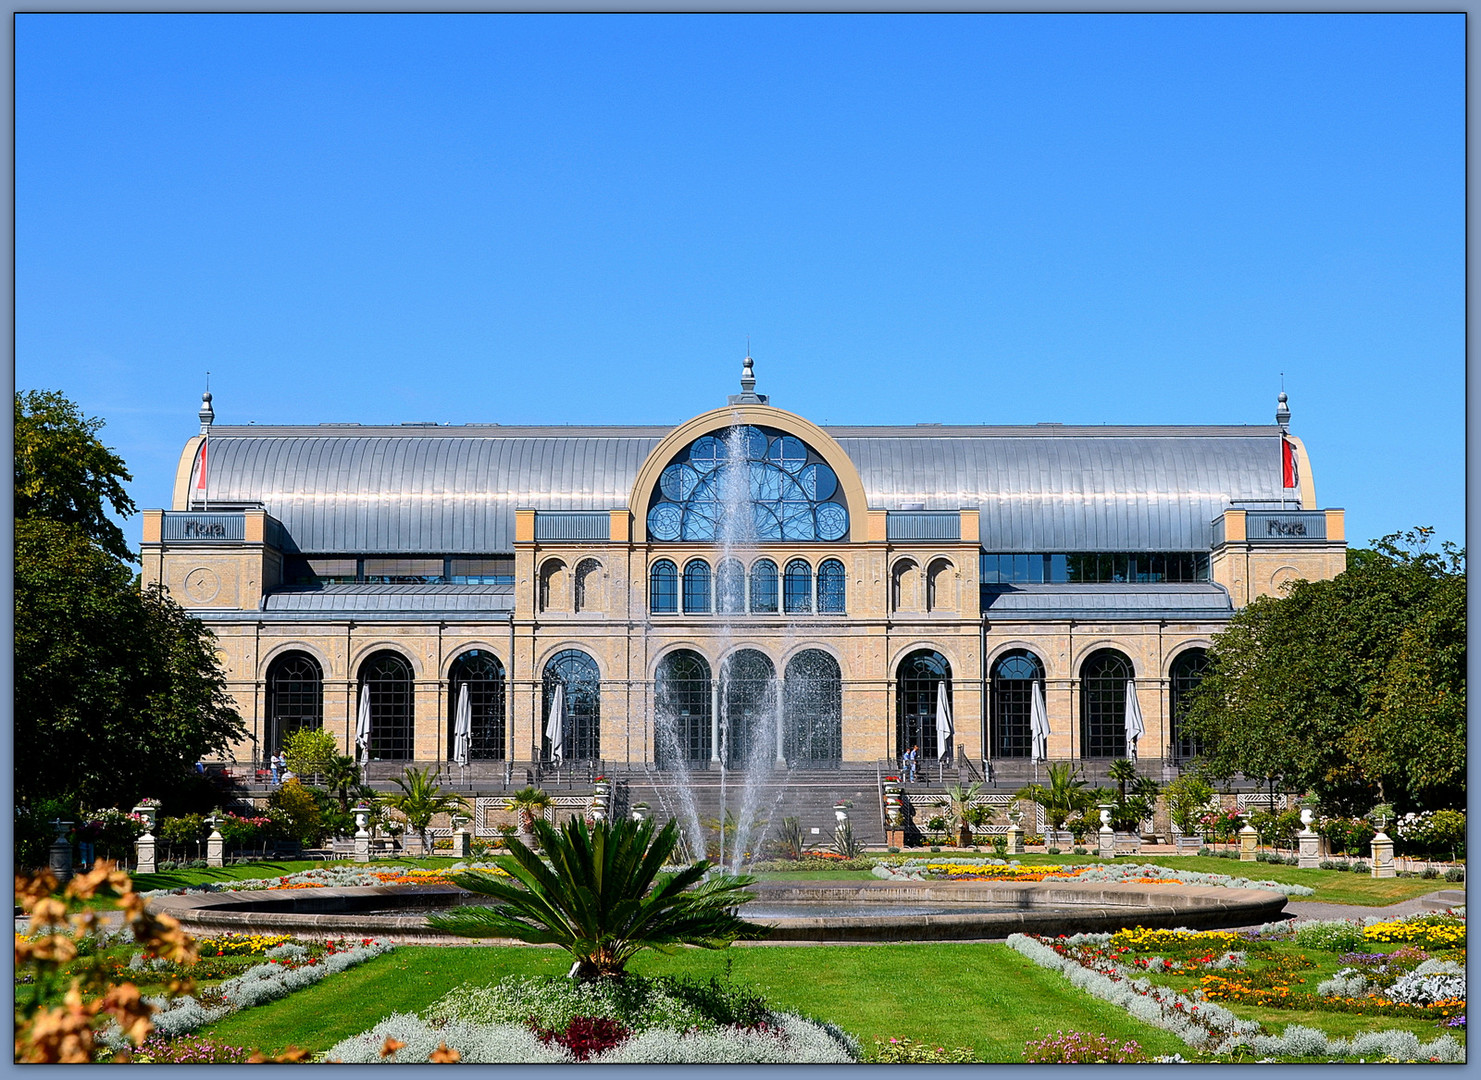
[(844, 841), (422, 799), (603, 897), (792, 841), (529, 803), (959, 806), (1123, 771), (1062, 797), (341, 774)]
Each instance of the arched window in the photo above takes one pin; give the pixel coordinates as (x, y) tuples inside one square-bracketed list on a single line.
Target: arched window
[(1103, 679), (812, 710), (902, 585), (831, 587), (917, 700), (746, 484), (552, 585), (386, 678), (1187, 672), (482, 675), (587, 580), (797, 587), (663, 588), (747, 702), (681, 727), (938, 586), (581, 712), (763, 587), (730, 587), (295, 697), (696, 587), (1015, 677)]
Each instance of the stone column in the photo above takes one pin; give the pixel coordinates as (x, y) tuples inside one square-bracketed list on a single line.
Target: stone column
[(1383, 855), (1307, 841), (144, 854), (1107, 834), (1248, 840), (59, 858), (215, 844), (362, 835), (462, 843), (1015, 839)]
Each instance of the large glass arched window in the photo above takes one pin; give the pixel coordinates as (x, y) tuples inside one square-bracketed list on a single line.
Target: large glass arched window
[(797, 587), (696, 587), (482, 675), (831, 587), (917, 694), (812, 711), (730, 587), (1103, 679), (581, 714), (295, 697), (386, 677), (1015, 677), (763, 587), (663, 588), (682, 711), (747, 701), (1187, 672), (748, 483)]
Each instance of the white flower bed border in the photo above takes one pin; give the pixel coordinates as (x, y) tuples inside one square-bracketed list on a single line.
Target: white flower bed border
[(334, 877), (1225, 1032), (1110, 873)]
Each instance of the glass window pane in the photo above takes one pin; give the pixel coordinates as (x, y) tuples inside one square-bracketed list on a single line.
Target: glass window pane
[(764, 587), (697, 587), (831, 587), (663, 592), (798, 587)]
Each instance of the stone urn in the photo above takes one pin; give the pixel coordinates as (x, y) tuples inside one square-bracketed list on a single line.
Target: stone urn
[(149, 813)]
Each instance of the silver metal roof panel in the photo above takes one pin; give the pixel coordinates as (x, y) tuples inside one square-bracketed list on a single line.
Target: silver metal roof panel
[(390, 490), (1029, 602), (385, 599)]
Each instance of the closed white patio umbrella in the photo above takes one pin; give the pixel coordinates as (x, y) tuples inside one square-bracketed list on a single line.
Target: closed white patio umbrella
[(555, 728), (462, 728), (1135, 729), (1039, 724), (943, 720), (362, 727)]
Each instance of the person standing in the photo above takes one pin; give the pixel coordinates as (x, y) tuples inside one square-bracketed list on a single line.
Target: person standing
[(911, 757), (275, 763)]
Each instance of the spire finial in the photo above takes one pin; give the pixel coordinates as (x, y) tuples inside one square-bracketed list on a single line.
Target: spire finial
[(207, 414), (748, 395), (1282, 411)]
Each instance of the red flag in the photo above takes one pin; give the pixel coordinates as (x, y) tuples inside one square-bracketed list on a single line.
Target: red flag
[(200, 483), (1289, 476)]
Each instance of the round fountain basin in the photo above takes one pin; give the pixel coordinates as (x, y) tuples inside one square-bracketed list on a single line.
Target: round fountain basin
[(835, 911)]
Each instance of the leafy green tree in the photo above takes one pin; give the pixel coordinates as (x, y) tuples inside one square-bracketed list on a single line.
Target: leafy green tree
[(118, 692), (1187, 798), (1296, 687), (309, 751), (603, 898), (421, 799), (63, 473)]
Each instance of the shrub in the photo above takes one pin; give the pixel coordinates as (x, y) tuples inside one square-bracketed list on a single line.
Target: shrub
[(300, 811), (1331, 935), (1079, 1047), (1359, 867), (189, 829), (910, 1052), (1455, 873), (309, 750)]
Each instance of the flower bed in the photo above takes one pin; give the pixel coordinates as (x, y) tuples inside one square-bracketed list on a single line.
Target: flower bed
[(634, 1020), (1113, 966), (338, 877), (1109, 873)]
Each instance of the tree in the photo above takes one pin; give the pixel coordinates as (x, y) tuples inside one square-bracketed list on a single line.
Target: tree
[(1296, 687), (959, 805), (341, 774), (422, 799), (118, 692), (64, 474), (529, 803), (310, 750), (602, 898)]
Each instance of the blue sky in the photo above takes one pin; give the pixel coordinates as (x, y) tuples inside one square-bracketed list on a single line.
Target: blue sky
[(547, 219)]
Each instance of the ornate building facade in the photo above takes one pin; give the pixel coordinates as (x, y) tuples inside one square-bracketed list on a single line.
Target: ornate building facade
[(745, 587)]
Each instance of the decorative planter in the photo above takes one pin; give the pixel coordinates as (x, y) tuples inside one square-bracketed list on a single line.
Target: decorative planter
[(1190, 843), (148, 813)]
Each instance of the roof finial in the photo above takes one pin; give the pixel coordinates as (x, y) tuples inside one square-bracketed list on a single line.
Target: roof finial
[(207, 414), (748, 395), (1282, 411)]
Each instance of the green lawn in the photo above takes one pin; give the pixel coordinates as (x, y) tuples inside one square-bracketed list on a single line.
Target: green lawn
[(980, 995)]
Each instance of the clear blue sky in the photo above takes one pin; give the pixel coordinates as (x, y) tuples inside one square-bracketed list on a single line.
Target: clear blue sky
[(965, 219)]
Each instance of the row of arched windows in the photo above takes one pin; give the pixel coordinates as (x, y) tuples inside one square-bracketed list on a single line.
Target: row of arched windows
[(730, 590), (686, 729)]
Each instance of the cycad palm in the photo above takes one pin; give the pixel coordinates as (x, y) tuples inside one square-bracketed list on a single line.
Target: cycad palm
[(603, 897), (1064, 795), (421, 800)]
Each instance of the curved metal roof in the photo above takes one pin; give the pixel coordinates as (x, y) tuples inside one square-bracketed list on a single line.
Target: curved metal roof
[(1110, 603), (392, 490)]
